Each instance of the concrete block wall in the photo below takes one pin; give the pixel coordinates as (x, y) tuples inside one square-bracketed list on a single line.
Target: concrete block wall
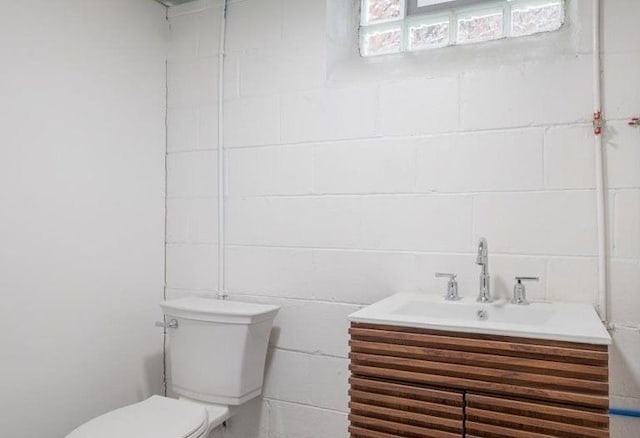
[(192, 142), (351, 179)]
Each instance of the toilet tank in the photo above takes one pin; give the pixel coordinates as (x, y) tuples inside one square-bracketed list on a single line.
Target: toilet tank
[(217, 351)]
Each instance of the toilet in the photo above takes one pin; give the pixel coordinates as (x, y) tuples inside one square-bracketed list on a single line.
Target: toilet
[(217, 352)]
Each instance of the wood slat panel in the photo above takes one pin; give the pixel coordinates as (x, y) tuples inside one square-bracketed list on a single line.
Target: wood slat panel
[(449, 397), (502, 338), (594, 401), (359, 432), (531, 424), (405, 410), (567, 369), (480, 430), (405, 403), (400, 429), (569, 353), (536, 417), (482, 373), (570, 414), (404, 416)]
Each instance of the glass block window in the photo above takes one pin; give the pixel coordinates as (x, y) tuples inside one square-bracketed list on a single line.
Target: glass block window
[(382, 40), (477, 26), (393, 26), (534, 17), (427, 34), (378, 11)]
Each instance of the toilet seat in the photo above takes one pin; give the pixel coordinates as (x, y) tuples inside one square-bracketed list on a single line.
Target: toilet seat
[(155, 417)]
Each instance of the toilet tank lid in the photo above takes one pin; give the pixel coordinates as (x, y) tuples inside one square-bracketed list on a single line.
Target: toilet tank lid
[(222, 311)]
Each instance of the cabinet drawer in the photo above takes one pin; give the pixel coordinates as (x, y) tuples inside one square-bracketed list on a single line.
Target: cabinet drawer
[(557, 372), (383, 409), (490, 416)]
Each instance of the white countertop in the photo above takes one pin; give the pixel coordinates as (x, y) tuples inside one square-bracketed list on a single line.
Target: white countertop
[(556, 321)]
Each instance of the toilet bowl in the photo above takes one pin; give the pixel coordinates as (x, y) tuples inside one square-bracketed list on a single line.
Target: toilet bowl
[(155, 417), (217, 355)]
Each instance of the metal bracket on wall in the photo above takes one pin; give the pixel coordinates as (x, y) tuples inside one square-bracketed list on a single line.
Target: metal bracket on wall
[(597, 123)]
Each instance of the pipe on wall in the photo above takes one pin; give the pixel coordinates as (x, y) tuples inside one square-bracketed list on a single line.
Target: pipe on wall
[(599, 170), (222, 285), (600, 188), (624, 412)]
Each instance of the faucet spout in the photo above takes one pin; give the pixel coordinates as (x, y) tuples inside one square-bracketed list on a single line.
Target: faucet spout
[(482, 259)]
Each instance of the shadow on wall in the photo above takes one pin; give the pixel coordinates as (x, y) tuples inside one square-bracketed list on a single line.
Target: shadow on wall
[(624, 366), (624, 372), (250, 421), (153, 366), (273, 341)]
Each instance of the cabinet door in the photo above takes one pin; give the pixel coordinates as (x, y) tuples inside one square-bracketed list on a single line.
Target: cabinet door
[(384, 409), (500, 417)]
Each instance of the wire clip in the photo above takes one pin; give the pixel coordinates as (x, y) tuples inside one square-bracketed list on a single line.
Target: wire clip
[(634, 121), (597, 123)]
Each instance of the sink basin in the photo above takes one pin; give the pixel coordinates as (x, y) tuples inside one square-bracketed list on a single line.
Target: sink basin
[(555, 321), (501, 314)]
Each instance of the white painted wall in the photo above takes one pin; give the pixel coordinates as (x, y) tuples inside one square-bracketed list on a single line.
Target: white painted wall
[(82, 135), (192, 140), (351, 179)]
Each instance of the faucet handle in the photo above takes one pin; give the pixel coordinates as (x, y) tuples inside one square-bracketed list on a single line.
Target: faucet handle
[(519, 279), (520, 292), (452, 286)]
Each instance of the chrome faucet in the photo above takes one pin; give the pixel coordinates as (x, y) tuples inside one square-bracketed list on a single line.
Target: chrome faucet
[(452, 286), (483, 260)]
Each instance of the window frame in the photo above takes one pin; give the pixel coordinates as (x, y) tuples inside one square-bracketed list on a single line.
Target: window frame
[(414, 9), (408, 19)]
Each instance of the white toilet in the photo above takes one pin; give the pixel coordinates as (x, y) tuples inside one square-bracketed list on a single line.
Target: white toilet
[(217, 355)]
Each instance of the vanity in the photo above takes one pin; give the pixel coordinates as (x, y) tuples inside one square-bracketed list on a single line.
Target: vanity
[(426, 367)]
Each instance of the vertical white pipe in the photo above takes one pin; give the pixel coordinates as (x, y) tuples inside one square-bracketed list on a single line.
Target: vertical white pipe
[(222, 286), (600, 189)]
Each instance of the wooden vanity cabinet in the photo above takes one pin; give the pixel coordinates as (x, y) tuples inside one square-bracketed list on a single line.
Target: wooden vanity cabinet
[(418, 383)]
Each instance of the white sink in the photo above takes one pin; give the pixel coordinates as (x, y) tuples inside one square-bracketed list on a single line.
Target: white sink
[(556, 321)]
